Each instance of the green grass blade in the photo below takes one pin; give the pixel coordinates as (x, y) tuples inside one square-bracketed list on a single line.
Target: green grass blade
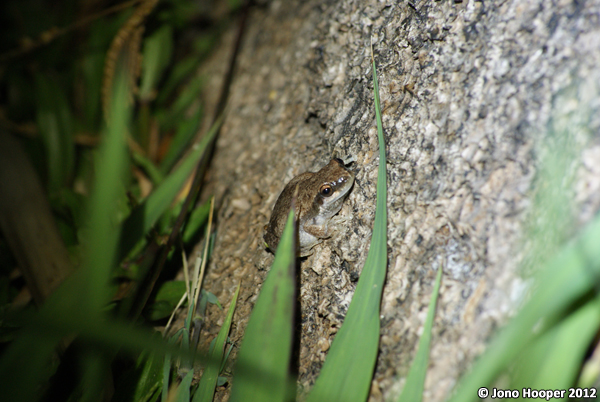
[(415, 382), (94, 367), (114, 335), (166, 299), (188, 96), (55, 122), (346, 374), (167, 370), (183, 391), (262, 367), (198, 217), (145, 215), (565, 278), (102, 242), (156, 57), (181, 71), (17, 378), (153, 173), (564, 346), (149, 383), (91, 70), (208, 382), (61, 316), (186, 130)]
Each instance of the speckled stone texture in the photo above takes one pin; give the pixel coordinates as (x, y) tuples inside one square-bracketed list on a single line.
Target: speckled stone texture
[(472, 93)]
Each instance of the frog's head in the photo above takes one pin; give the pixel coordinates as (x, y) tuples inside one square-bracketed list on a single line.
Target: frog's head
[(332, 184)]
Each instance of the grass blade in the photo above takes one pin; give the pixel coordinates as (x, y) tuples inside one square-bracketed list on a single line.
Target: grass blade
[(55, 122), (206, 389), (147, 166), (166, 374), (180, 71), (186, 130), (145, 215), (156, 58), (564, 346), (566, 278), (197, 218), (415, 381), (94, 374), (149, 383), (262, 368), (347, 372), (183, 391), (17, 378), (102, 244), (61, 316)]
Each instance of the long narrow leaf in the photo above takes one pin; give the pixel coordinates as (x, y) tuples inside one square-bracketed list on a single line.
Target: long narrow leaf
[(186, 129), (150, 377), (156, 57), (206, 389), (55, 122), (180, 72), (95, 366), (262, 368), (415, 382), (563, 345), (166, 372), (17, 377), (566, 277), (61, 316), (148, 166), (145, 215), (102, 244), (183, 391), (347, 372)]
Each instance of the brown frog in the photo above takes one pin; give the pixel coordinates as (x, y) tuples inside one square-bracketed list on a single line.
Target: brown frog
[(320, 197)]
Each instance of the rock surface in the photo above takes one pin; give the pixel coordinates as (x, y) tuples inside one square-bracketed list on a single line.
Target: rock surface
[(475, 96)]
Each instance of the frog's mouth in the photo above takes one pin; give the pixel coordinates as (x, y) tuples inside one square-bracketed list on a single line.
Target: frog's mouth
[(344, 184)]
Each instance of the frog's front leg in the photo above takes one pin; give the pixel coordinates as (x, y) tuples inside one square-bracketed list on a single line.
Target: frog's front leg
[(315, 231), (319, 231), (311, 234), (325, 228)]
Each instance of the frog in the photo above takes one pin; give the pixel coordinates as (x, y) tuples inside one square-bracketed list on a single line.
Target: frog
[(319, 197)]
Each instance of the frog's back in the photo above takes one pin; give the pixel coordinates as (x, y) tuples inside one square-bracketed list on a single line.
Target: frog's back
[(281, 210)]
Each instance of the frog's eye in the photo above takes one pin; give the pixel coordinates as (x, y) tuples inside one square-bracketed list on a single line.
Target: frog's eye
[(326, 190)]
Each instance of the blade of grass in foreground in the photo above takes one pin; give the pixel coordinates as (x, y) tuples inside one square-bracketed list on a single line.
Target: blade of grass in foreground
[(102, 244), (564, 345), (567, 277), (208, 382), (77, 306), (78, 302), (61, 316), (262, 367), (347, 372), (415, 382)]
